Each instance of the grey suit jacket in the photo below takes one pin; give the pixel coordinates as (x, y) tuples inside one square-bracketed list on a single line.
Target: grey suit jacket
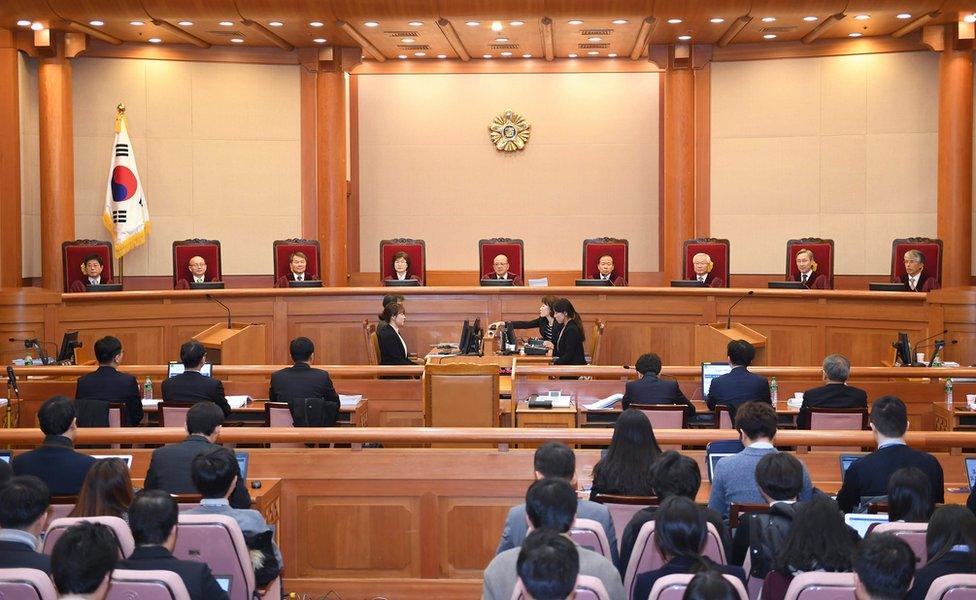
[(251, 521), (734, 480), (517, 526), (500, 576)]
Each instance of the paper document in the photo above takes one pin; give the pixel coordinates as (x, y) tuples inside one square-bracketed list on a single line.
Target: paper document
[(238, 401), (151, 403), (4, 402), (607, 402), (348, 400), (561, 401)]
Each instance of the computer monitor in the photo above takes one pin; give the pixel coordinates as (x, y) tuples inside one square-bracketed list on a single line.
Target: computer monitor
[(785, 285), (175, 368), (686, 283), (861, 522), (593, 283), (206, 285), (846, 460), (474, 340), (886, 287), (126, 458), (68, 344), (903, 350), (497, 282), (508, 337), (401, 283), (104, 287), (306, 283), (970, 472), (465, 337), (6, 455), (242, 460), (711, 370)]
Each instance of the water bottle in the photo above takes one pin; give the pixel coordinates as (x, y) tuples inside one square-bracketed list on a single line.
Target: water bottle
[(29, 361), (774, 391), (147, 389), (936, 362), (948, 392)]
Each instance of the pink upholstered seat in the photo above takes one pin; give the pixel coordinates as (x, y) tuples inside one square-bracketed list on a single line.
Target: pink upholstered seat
[(647, 557), (912, 534), (672, 587), (587, 588), (953, 587), (173, 414), (590, 535), (146, 585), (277, 414), (623, 508), (816, 585), (26, 584), (120, 528)]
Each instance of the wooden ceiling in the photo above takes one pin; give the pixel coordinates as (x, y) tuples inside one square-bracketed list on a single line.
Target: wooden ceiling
[(410, 28)]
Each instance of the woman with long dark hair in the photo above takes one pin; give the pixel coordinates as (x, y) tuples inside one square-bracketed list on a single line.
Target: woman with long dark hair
[(951, 545), (106, 491), (568, 343), (626, 468), (909, 496), (393, 349), (710, 585), (546, 322)]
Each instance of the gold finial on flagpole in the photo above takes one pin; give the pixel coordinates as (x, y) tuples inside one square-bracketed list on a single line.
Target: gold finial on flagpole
[(119, 117), (120, 108)]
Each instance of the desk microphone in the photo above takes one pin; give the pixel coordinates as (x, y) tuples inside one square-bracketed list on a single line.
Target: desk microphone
[(12, 381), (36, 344), (728, 318), (211, 298), (939, 346), (919, 343)]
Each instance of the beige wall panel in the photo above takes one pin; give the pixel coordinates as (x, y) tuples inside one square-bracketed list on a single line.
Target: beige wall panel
[(902, 172), (843, 185), (245, 102), (885, 227), (903, 92), (30, 191), (849, 257), (767, 254), (169, 156), (843, 83), (169, 91), (97, 87), (773, 185), (427, 168)]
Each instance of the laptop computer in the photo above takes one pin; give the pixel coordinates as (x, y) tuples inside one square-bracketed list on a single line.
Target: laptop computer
[(6, 456), (712, 460), (175, 368), (861, 522), (242, 460), (846, 460), (711, 370), (126, 458), (970, 472), (223, 582)]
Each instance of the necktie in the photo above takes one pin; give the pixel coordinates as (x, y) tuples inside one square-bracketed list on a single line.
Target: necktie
[(701, 278), (301, 277), (805, 277)]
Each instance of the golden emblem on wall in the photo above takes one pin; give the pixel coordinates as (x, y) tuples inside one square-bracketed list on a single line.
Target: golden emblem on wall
[(509, 131)]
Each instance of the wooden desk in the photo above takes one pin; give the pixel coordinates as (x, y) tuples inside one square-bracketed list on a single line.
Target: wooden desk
[(958, 418), (252, 414), (556, 418), (266, 499), (505, 362)]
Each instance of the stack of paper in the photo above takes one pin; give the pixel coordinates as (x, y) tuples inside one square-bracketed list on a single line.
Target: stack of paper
[(607, 402), (238, 401), (347, 400)]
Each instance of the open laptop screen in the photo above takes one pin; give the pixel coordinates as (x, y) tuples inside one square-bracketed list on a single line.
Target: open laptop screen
[(175, 368), (5, 455), (126, 458), (242, 463), (861, 522), (970, 472), (711, 370), (846, 460)]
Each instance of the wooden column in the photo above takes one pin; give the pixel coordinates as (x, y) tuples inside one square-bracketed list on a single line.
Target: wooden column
[(678, 201), (56, 163), (955, 190), (331, 172), (10, 234)]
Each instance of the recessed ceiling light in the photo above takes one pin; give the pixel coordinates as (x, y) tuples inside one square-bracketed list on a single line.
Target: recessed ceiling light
[(371, 24), (275, 23), (770, 36), (472, 23), (593, 53), (237, 40), (496, 26), (862, 17), (406, 40), (811, 18), (185, 23), (516, 23), (594, 39), (401, 56), (37, 26), (717, 20), (903, 16), (134, 23), (572, 55), (420, 54), (441, 56), (674, 21), (501, 40), (612, 55), (24, 23), (319, 40), (970, 18), (619, 21), (154, 40), (506, 53), (486, 56), (684, 38), (315, 23), (96, 23), (768, 19), (415, 23), (226, 23), (575, 22), (854, 34), (526, 56)]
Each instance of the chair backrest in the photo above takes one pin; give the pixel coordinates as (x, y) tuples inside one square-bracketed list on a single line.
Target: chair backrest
[(953, 587), (369, 342), (73, 255), (514, 249), (115, 412), (912, 534), (184, 250), (723, 417), (416, 250), (664, 416), (823, 256), (283, 249), (278, 414), (716, 249), (590, 535), (672, 587), (120, 528), (461, 395), (26, 584), (587, 588), (930, 248), (217, 540), (623, 508), (374, 343), (647, 557), (62, 506), (839, 418), (594, 248), (173, 414), (596, 341), (818, 585), (146, 585), (738, 510)]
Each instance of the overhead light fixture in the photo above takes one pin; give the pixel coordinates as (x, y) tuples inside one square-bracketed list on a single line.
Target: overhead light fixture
[(186, 23), (516, 23), (970, 18), (420, 54), (275, 23), (96, 23), (237, 40), (496, 26), (154, 40), (619, 21), (810, 18), (526, 56), (903, 16), (37, 26), (593, 53), (770, 36), (371, 24), (486, 56), (441, 56), (406, 40), (319, 40), (416, 23), (226, 23), (401, 56), (594, 39), (575, 21), (717, 20), (612, 55), (861, 17), (501, 40), (573, 55), (854, 34), (684, 38), (24, 23), (316, 23), (189, 37), (133, 23), (675, 21), (472, 23), (506, 53), (768, 19)]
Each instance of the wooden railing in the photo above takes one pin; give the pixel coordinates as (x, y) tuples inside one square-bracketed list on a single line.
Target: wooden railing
[(223, 371)]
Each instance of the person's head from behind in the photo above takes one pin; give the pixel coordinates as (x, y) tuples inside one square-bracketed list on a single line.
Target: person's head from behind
[(392, 299), (632, 436), (214, 472), (548, 564), (951, 528), (83, 559), (551, 502), (710, 585), (648, 363), (57, 416), (818, 540), (555, 459), (836, 368), (394, 314), (106, 491), (675, 474), (204, 418), (740, 353), (605, 265), (152, 519), (884, 567), (779, 476), (680, 528), (301, 349), (24, 503), (889, 417), (756, 421), (909, 496), (192, 354), (108, 351)]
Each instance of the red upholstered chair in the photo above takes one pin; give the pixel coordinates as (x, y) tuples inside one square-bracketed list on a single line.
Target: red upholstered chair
[(619, 249), (823, 256), (282, 252), (73, 255), (417, 258), (930, 248), (718, 250), (515, 251), (184, 250)]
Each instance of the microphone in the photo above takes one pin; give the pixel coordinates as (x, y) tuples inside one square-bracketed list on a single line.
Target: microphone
[(210, 297), (12, 381), (728, 318), (939, 346), (36, 344), (919, 343)]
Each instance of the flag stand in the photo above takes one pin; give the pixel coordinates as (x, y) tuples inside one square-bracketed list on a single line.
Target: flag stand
[(122, 270)]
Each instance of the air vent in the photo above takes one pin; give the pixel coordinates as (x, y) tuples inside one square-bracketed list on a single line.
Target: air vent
[(782, 29), (503, 46), (593, 46), (596, 31), (402, 34), (413, 47), (227, 33)]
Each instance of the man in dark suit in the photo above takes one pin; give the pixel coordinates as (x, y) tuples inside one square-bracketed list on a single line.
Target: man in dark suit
[(301, 380), (191, 386), (55, 461), (82, 561), (169, 467), (106, 384), (868, 476), (806, 268), (605, 271), (835, 394), (24, 503), (152, 518), (914, 279), (702, 265), (500, 270), (650, 389), (738, 386)]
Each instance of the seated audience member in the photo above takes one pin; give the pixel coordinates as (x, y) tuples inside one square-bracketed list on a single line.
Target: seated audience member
[(106, 492), (739, 385), (568, 341), (555, 459), (626, 468), (883, 568), (393, 349), (548, 564), (197, 267), (91, 268), (169, 467), (914, 280), (191, 386), (868, 476), (950, 542), (650, 389), (24, 504), (297, 270), (300, 382), (710, 585), (546, 323), (82, 561), (55, 461), (835, 393), (734, 477), (500, 266), (152, 519), (780, 478), (680, 532), (702, 265), (549, 503), (674, 474), (215, 474), (5, 472), (401, 269), (910, 496), (604, 271), (819, 540), (106, 384), (807, 268)]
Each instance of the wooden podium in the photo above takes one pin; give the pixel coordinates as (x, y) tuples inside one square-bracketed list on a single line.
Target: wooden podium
[(239, 344), (712, 340)]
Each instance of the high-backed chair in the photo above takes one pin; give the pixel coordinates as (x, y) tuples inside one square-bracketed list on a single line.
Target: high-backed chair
[(672, 587), (283, 249), (416, 251), (173, 414), (590, 535), (953, 587), (146, 585), (461, 395), (723, 417), (369, 333), (73, 256), (718, 251), (184, 250), (120, 528), (818, 585), (619, 249), (623, 508), (514, 249), (26, 584), (844, 419), (931, 250), (587, 588), (646, 556), (278, 414), (61, 506), (665, 416), (596, 341), (823, 261), (912, 534)]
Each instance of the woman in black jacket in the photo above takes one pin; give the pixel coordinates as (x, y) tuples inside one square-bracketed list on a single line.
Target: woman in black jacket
[(568, 343), (546, 322), (951, 544), (393, 349)]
